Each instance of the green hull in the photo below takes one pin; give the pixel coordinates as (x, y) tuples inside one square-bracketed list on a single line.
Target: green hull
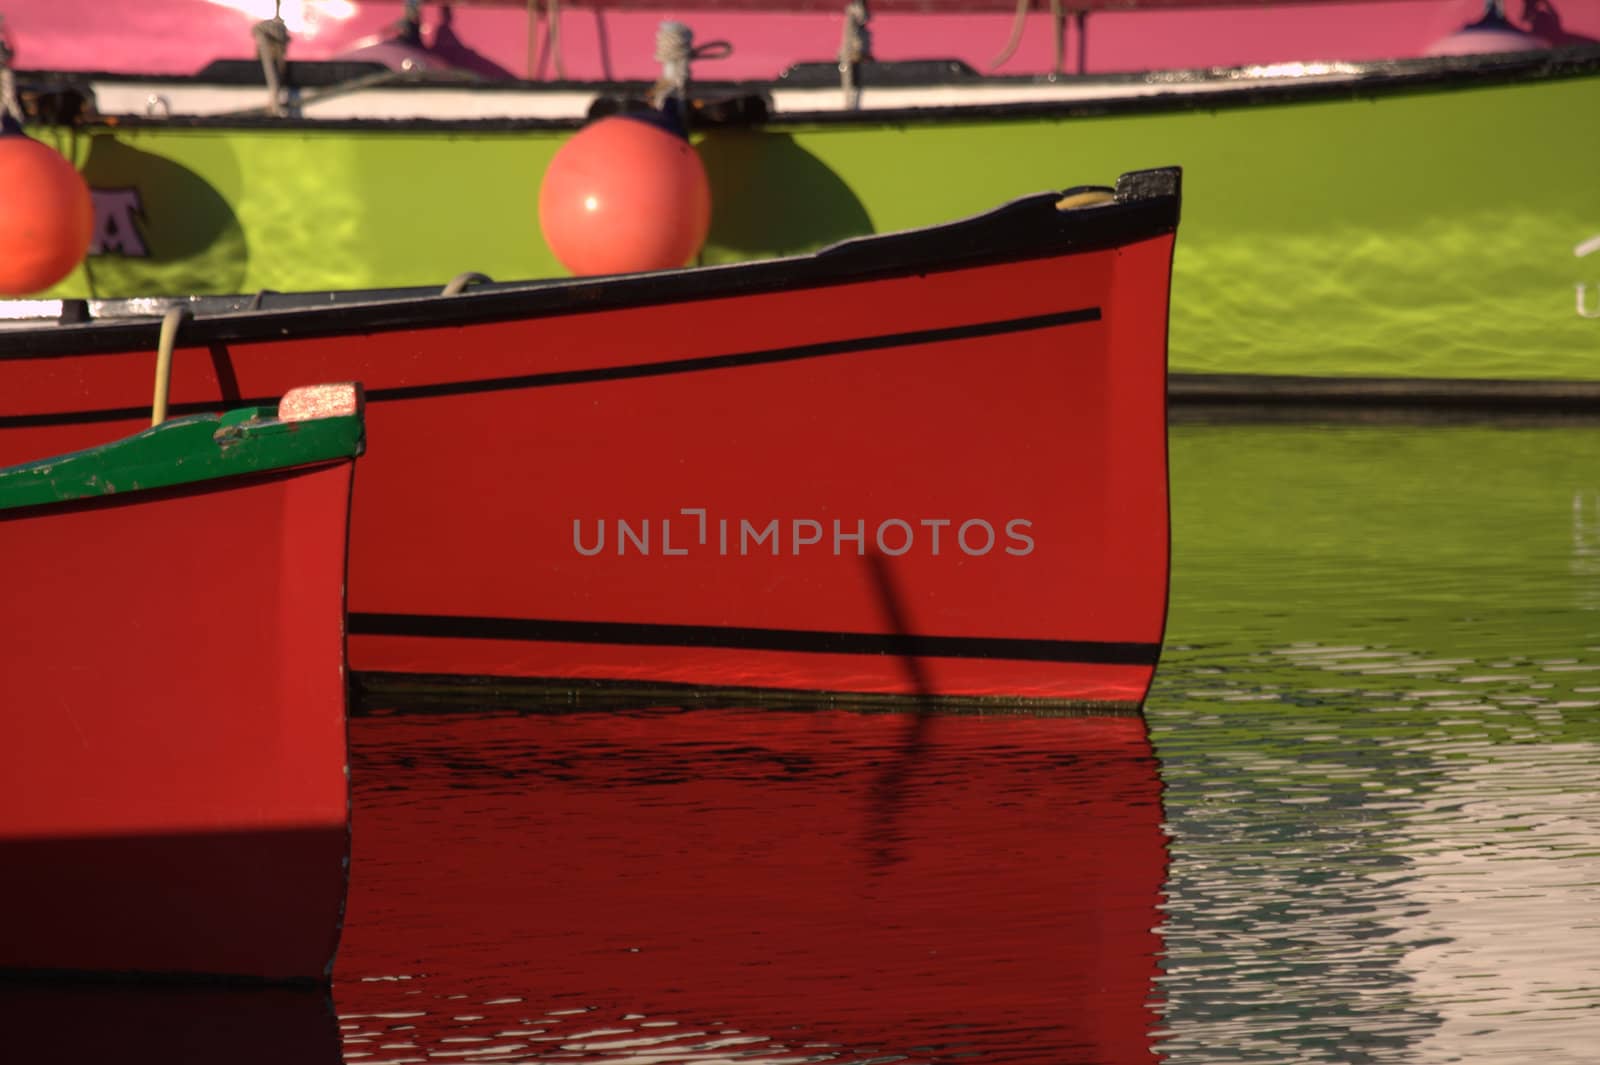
[(1418, 231)]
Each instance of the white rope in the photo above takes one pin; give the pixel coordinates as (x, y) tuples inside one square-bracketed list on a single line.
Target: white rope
[(386, 76), (1018, 23), (855, 45), (9, 104), (272, 45), (552, 35), (676, 52), (533, 39), (674, 49), (1058, 39)]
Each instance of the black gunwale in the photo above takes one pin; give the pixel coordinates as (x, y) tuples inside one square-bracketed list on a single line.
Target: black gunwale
[(1146, 206)]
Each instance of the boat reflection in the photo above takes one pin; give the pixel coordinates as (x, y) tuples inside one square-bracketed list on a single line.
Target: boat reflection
[(70, 1023), (621, 885)]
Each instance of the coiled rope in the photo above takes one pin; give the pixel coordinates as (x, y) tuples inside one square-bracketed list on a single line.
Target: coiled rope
[(676, 51)]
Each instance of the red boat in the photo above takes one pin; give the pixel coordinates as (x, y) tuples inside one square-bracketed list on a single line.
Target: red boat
[(931, 462), (173, 768)]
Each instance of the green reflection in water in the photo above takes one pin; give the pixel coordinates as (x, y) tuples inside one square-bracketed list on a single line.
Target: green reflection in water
[(1484, 293), (1378, 725)]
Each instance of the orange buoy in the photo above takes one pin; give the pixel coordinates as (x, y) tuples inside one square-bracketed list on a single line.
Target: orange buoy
[(625, 194), (46, 215)]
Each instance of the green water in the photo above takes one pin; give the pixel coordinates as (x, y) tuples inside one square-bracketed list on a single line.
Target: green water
[(1378, 720)]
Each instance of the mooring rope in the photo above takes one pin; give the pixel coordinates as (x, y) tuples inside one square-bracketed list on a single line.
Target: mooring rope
[(1019, 22), (10, 106), (272, 45), (676, 52), (1058, 29), (855, 46), (552, 36), (458, 284), (169, 340)]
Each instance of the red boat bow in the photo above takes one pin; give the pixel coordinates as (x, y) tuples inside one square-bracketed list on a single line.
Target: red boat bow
[(173, 780), (675, 479)]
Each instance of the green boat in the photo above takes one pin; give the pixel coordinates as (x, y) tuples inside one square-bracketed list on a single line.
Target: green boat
[(1420, 218)]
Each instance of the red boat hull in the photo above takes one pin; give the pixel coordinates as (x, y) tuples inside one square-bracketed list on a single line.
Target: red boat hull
[(173, 770), (1020, 401)]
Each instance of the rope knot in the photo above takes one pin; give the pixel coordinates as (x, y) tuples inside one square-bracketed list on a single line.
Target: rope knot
[(855, 47), (272, 34), (674, 50), (855, 43), (272, 46)]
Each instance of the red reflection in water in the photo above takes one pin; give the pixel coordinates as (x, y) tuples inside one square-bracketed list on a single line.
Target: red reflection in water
[(811, 881), (77, 1023)]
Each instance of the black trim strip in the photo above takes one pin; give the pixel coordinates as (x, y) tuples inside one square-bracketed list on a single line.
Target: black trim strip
[(616, 373), (374, 694), (803, 641)]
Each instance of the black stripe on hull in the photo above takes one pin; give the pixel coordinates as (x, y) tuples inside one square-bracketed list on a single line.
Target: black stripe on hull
[(802, 641), (749, 358), (824, 349), (384, 693)]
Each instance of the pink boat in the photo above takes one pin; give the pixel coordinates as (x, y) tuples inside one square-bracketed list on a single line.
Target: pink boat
[(614, 40)]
